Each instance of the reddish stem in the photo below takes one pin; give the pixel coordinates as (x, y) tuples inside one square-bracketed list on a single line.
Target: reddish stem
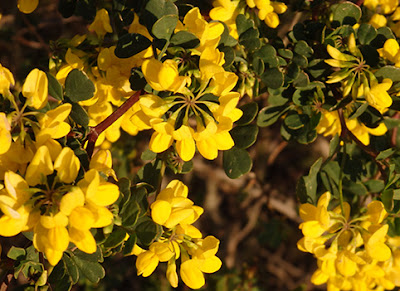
[(359, 2), (98, 129)]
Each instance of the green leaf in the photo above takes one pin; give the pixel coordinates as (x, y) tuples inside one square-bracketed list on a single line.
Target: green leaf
[(185, 39), (301, 81), (88, 265), (272, 78), (115, 238), (165, 26), (301, 61), (303, 49), (366, 33), (306, 188), (375, 186), (129, 244), (131, 44), (244, 136), (236, 162), (295, 121), (148, 155), (269, 115), (130, 213), (346, 13), (243, 24), (250, 111), (285, 53), (71, 268), (258, 65), (293, 71), (333, 145), (78, 86), (387, 199), (79, 115), (229, 55), (16, 253), (55, 88), (60, 279), (390, 72), (386, 154), (147, 231)]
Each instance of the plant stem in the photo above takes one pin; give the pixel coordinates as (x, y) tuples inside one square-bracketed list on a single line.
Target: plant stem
[(102, 126), (340, 186)]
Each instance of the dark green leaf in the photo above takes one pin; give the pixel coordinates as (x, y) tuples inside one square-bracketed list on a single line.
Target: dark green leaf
[(236, 162), (243, 24), (129, 244), (366, 33), (165, 26), (301, 61), (115, 238), (88, 266), (59, 278), (302, 80), (303, 49), (306, 188), (285, 53), (79, 115), (155, 9), (333, 145), (131, 44), (55, 88), (375, 186), (71, 269), (270, 115), (130, 213), (387, 199), (346, 13), (148, 155), (185, 39), (295, 121), (390, 72), (78, 86), (272, 78), (250, 111), (244, 136), (147, 231)]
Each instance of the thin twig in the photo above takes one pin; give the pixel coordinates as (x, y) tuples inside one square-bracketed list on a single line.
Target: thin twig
[(102, 126)]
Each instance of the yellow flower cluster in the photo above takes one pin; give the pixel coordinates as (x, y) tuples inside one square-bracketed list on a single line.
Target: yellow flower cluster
[(57, 213), (188, 117), (330, 125), (352, 253), (109, 74), (356, 79), (45, 196), (176, 213), (227, 11)]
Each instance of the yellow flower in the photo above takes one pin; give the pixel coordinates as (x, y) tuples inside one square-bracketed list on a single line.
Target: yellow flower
[(35, 89), (316, 219), (164, 76), (226, 11), (52, 125), (378, 20), (98, 195), (172, 206), (27, 6), (67, 165), (40, 166), (387, 6), (5, 135), (391, 51), (101, 24), (202, 261), (51, 236), (12, 204), (6, 80), (377, 95)]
